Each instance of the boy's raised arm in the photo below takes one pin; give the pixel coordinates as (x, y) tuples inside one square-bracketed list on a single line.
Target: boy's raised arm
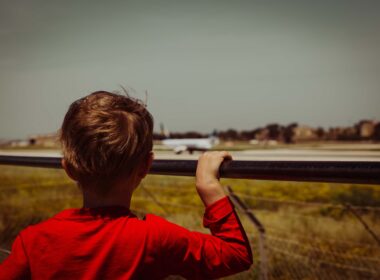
[(196, 255)]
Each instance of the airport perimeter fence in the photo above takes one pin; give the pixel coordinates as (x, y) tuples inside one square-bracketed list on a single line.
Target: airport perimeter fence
[(291, 239)]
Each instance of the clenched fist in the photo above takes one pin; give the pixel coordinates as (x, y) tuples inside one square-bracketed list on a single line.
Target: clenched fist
[(207, 176)]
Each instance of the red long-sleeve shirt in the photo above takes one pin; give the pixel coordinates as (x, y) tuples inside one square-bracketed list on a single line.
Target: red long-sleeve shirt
[(112, 243)]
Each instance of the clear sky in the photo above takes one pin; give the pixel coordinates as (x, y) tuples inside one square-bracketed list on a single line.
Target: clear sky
[(206, 64)]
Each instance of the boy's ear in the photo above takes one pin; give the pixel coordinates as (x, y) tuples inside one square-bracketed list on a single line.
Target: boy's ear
[(146, 165), (68, 170)]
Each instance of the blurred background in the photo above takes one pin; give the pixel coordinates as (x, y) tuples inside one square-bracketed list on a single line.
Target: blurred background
[(266, 80)]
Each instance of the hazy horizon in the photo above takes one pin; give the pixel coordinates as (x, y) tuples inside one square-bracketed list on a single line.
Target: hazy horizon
[(158, 130), (205, 64)]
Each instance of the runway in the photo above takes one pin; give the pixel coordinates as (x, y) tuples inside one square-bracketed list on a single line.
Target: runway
[(287, 155), (249, 155)]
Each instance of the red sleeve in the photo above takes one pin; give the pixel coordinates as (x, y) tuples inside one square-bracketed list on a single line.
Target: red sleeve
[(16, 265), (196, 255)]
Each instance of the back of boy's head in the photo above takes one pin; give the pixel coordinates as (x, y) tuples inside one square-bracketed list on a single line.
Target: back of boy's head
[(105, 135)]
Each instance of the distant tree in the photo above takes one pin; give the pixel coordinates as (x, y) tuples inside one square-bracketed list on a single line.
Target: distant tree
[(158, 136), (230, 134), (376, 133), (247, 135), (188, 134), (289, 133), (193, 134), (320, 132), (275, 131)]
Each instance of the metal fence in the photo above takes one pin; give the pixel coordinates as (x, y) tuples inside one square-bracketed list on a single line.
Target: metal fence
[(291, 239), (316, 171)]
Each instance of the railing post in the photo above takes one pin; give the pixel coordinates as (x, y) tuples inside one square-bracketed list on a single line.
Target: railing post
[(259, 227), (364, 224)]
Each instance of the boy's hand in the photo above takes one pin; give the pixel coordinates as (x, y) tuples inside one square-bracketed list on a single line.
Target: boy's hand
[(207, 176)]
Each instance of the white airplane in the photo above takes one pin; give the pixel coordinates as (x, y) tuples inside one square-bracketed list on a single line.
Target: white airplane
[(191, 144)]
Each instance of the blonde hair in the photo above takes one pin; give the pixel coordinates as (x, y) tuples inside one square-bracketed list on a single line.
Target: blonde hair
[(104, 135)]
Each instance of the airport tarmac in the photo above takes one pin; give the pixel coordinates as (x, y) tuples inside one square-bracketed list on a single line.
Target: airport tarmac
[(262, 155), (287, 155)]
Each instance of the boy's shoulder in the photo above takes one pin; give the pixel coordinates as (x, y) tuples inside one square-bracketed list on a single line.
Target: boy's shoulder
[(42, 225), (65, 224)]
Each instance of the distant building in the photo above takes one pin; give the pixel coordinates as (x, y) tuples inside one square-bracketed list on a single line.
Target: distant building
[(18, 143), (254, 142), (44, 140), (349, 133), (366, 129), (4, 143), (272, 143), (333, 133), (262, 134), (304, 133)]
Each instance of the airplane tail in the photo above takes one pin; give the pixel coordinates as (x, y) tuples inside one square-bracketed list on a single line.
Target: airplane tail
[(164, 132), (214, 137)]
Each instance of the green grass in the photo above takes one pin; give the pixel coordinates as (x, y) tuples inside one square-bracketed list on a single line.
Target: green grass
[(302, 238)]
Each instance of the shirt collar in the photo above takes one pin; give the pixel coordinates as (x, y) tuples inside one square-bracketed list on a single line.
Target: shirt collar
[(106, 212)]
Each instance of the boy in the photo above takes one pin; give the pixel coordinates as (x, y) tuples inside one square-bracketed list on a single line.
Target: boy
[(107, 149)]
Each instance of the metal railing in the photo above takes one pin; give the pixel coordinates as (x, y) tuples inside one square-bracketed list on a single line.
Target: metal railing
[(356, 172)]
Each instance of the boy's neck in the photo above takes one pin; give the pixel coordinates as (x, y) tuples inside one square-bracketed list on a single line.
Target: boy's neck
[(94, 201), (119, 195)]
